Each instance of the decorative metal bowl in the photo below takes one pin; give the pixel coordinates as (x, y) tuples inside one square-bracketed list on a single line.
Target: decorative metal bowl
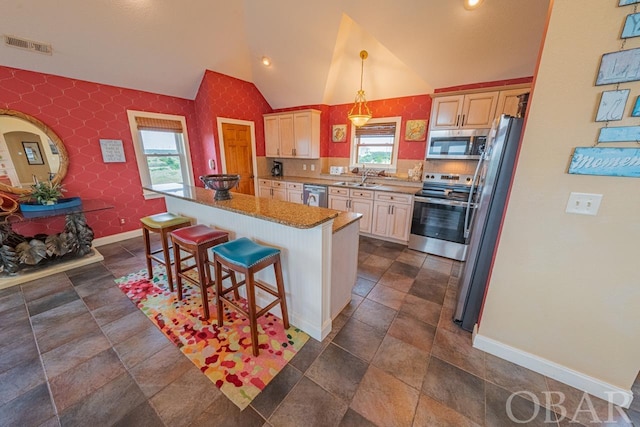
[(221, 183)]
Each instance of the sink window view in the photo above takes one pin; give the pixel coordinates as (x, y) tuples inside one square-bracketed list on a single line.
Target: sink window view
[(376, 143)]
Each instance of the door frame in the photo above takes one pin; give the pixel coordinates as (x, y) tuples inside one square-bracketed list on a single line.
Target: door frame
[(252, 130)]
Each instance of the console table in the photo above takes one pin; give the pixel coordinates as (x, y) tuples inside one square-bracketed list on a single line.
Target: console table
[(27, 257)]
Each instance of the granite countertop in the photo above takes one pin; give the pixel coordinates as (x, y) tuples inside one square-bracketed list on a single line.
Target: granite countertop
[(281, 212), (384, 184)]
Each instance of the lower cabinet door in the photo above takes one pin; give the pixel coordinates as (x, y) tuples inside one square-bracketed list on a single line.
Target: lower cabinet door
[(364, 207)]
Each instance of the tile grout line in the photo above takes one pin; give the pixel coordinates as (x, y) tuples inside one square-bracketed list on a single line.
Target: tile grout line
[(40, 354)]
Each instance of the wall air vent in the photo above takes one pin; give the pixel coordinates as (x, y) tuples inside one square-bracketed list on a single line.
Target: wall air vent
[(30, 45)]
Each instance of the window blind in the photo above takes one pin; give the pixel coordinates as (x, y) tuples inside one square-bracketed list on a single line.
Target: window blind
[(377, 129), (147, 123)]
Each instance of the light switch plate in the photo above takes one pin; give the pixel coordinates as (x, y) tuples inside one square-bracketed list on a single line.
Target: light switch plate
[(584, 203)]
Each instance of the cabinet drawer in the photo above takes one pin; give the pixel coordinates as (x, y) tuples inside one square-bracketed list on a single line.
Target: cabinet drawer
[(338, 191), (362, 194), (264, 183), (279, 184), (383, 196), (294, 186)]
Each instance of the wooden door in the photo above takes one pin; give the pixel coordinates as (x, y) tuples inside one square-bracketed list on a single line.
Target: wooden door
[(238, 155)]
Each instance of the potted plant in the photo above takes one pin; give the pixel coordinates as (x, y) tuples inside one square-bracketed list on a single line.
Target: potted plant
[(45, 192)]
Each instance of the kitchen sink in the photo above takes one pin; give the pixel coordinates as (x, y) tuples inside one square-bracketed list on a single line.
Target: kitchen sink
[(356, 184)]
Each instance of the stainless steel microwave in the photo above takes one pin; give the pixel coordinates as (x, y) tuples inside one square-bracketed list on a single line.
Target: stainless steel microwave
[(456, 144)]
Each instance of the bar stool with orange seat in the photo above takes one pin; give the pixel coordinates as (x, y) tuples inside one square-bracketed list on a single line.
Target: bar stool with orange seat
[(247, 257), (162, 223), (197, 240)]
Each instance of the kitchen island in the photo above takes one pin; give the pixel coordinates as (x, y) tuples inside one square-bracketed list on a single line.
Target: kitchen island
[(319, 247)]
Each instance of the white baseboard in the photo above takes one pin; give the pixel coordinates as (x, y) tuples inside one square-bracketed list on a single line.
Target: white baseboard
[(101, 241), (556, 371)]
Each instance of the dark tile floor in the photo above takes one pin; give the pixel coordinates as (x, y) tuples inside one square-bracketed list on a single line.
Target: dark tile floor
[(74, 351)]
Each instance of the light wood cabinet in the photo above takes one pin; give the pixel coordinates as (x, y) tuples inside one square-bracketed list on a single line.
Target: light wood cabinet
[(353, 200), (294, 192), (276, 190), (471, 111), (392, 215), (508, 101), (293, 134)]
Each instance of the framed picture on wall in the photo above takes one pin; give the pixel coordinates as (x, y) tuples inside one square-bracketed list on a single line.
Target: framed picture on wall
[(416, 130), (619, 67), (612, 105), (32, 152), (339, 133), (631, 26), (636, 108)]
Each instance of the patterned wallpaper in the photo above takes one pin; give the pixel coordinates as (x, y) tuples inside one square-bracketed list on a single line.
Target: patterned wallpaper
[(82, 113)]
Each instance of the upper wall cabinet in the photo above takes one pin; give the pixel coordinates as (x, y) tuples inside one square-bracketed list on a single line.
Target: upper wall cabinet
[(508, 101), (293, 135), (475, 110)]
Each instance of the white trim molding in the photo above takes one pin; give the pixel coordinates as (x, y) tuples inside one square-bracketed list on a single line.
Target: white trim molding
[(113, 238), (593, 386)]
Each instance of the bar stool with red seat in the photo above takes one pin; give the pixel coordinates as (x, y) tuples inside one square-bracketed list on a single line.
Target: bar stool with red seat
[(197, 240), (162, 223), (247, 257)]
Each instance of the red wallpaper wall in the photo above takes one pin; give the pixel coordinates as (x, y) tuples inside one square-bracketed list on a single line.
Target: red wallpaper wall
[(485, 84), (409, 108), (220, 95), (81, 113)]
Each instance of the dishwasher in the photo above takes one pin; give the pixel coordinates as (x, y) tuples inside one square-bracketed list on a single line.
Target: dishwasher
[(315, 195)]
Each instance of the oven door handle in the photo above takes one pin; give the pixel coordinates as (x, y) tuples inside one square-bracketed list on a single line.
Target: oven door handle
[(440, 201)]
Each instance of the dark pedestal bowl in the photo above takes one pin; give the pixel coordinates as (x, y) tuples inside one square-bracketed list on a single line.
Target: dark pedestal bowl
[(221, 183)]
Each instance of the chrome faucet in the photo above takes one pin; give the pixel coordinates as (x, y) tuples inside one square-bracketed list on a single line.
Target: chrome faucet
[(364, 175)]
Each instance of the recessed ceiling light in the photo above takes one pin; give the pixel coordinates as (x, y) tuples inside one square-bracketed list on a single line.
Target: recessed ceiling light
[(472, 4), (266, 61)]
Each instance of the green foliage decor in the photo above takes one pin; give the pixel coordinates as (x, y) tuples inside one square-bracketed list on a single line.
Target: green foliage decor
[(45, 192)]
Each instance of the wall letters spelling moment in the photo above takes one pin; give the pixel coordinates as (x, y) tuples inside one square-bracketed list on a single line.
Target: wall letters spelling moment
[(615, 68), (606, 161)]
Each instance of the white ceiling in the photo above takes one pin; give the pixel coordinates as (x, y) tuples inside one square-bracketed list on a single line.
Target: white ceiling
[(164, 46)]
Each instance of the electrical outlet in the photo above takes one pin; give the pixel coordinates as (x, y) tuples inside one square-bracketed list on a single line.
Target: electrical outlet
[(584, 203), (304, 167), (313, 167), (121, 220)]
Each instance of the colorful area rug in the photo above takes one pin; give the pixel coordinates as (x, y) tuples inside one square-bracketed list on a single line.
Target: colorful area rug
[(223, 354)]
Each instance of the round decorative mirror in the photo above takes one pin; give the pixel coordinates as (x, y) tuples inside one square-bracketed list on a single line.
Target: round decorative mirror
[(29, 152)]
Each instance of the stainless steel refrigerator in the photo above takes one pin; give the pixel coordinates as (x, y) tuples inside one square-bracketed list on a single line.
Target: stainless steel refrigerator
[(493, 177)]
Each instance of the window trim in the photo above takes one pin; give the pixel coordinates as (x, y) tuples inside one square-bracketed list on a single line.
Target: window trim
[(394, 153), (143, 170)]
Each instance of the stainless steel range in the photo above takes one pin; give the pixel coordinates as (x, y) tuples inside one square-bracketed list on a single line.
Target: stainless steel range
[(441, 215)]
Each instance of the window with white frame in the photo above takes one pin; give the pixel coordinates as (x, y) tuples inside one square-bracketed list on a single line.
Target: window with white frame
[(375, 145), (162, 150)]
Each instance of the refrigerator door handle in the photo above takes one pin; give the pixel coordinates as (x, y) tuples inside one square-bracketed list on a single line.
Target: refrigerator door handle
[(468, 216)]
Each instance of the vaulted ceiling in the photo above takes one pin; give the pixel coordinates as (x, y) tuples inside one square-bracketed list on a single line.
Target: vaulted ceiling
[(164, 46)]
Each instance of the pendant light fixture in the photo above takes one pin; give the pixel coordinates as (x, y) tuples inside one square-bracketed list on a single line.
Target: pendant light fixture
[(360, 113)]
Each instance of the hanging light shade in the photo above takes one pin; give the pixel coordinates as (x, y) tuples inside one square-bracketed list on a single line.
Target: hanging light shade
[(360, 113)]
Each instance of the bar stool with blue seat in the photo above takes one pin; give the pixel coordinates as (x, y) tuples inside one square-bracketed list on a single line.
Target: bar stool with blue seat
[(162, 223), (247, 257), (197, 240)]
